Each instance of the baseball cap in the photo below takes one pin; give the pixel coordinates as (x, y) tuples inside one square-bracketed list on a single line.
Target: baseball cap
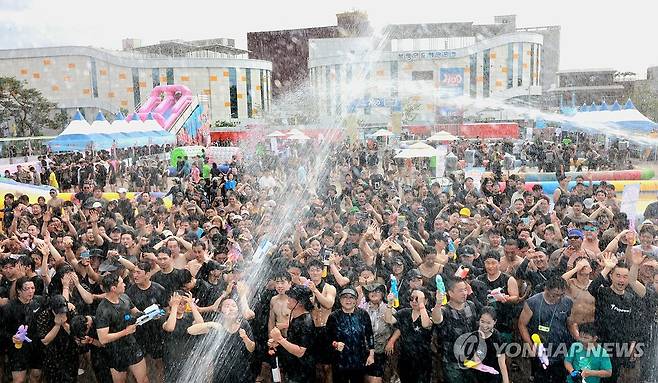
[(58, 304), (122, 190), (96, 205), (348, 291), (167, 233), (575, 233), (465, 212), (414, 273)]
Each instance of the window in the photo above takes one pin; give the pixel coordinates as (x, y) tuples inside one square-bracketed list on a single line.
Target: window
[(473, 74), (233, 91), (394, 78), (510, 65), (249, 104), (170, 76), (425, 75), (136, 97), (155, 76), (262, 90), (519, 65), (94, 79), (532, 64), (486, 69)]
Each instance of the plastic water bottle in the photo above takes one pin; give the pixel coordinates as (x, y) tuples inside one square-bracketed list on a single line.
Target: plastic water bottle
[(276, 373)]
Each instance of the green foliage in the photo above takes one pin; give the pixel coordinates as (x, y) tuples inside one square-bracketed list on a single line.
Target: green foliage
[(29, 109), (645, 100)]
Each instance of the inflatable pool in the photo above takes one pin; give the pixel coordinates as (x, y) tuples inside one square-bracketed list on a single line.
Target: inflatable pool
[(613, 175)]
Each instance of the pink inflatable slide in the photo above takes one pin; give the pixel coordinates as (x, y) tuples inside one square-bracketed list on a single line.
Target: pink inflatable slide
[(166, 103)]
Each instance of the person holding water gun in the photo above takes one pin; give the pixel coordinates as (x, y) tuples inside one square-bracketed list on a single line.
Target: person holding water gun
[(545, 322)]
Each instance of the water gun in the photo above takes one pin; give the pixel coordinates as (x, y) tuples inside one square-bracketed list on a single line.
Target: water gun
[(394, 291), (496, 295), (451, 249), (576, 376), (462, 272), (21, 335), (441, 287), (480, 367), (541, 351), (152, 312)]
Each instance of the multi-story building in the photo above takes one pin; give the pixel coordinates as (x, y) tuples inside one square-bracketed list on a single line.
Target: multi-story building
[(416, 66), (232, 86), (587, 86), (288, 49)]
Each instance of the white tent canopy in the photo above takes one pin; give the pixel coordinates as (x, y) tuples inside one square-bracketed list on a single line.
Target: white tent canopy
[(417, 153), (382, 133), (420, 145), (442, 136), (276, 134)]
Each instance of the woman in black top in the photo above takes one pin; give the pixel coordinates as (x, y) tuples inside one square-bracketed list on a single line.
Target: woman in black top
[(60, 358), (492, 339), (235, 335), (177, 342)]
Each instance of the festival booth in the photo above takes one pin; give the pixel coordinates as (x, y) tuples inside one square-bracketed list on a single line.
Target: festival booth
[(79, 136), (611, 120)]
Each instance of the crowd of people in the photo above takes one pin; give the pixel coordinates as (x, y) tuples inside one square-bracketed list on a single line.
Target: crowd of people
[(384, 277)]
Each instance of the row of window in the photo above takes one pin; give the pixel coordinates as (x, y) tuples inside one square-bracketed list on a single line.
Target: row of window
[(233, 86)]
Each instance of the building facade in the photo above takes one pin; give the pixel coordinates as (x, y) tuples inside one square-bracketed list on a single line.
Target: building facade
[(91, 79), (412, 71), (288, 49), (587, 86)]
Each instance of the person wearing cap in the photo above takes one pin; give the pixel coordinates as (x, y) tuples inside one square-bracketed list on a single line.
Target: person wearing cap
[(563, 259), (350, 332), (60, 357), (294, 350), (591, 237), (381, 319)]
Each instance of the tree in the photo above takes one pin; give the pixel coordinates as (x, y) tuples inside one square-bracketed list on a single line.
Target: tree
[(645, 100), (29, 109)]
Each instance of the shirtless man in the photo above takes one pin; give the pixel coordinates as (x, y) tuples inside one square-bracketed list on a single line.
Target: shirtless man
[(577, 290), (324, 296), (200, 257), (511, 261), (279, 311), (591, 241)]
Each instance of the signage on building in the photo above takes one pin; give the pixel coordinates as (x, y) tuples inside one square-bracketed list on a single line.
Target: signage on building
[(427, 55), (390, 102), (451, 82)]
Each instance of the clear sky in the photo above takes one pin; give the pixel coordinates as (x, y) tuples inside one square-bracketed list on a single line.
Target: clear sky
[(595, 34)]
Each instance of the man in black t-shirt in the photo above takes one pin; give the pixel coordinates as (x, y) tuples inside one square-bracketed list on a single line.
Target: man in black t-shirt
[(168, 277), (113, 322), (143, 294), (295, 350)]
